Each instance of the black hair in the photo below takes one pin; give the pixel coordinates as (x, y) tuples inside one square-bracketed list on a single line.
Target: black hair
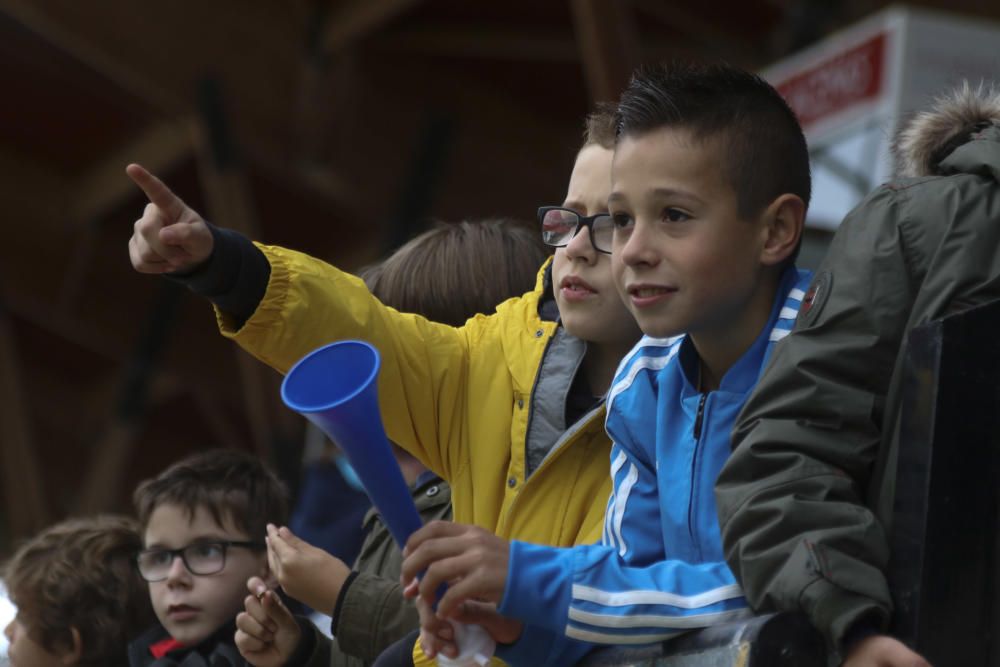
[(760, 137)]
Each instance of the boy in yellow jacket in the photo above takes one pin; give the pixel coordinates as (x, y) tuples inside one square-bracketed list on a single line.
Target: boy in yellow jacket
[(507, 408)]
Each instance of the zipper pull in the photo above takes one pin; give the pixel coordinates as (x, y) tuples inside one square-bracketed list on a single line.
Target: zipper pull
[(698, 417)]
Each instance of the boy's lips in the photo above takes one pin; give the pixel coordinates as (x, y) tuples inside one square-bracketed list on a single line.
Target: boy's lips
[(574, 288), (180, 612), (645, 295)]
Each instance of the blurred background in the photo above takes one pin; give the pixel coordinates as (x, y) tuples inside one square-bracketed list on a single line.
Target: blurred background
[(340, 128)]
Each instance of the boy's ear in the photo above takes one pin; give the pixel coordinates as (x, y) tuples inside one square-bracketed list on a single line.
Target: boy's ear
[(783, 222), (73, 654)]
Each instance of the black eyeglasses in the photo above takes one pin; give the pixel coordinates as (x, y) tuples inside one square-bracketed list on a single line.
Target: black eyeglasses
[(560, 225), (200, 558)]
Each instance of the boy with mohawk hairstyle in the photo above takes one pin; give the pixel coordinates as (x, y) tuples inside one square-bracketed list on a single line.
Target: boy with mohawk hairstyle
[(818, 441), (204, 520), (79, 599), (710, 184)]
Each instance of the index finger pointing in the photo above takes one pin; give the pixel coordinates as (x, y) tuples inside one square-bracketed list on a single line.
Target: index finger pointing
[(157, 193)]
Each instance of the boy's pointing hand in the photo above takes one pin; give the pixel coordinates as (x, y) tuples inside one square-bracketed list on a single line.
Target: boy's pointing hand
[(472, 561), (170, 236)]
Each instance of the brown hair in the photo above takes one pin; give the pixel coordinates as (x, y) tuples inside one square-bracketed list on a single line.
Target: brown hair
[(455, 270), (229, 483), (80, 574), (600, 126)]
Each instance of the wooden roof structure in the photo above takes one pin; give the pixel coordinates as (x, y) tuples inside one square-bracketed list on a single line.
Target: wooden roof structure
[(334, 126)]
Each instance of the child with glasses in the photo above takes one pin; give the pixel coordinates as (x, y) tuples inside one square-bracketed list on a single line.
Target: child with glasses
[(204, 520), (79, 599), (508, 408)]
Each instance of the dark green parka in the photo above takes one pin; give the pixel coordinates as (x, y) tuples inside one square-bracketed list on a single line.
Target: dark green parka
[(805, 500)]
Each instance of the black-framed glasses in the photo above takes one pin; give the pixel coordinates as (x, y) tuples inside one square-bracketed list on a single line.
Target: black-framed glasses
[(560, 225), (199, 558)]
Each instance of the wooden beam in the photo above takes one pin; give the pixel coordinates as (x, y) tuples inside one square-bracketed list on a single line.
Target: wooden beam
[(229, 204), (609, 45), (49, 24), (111, 455), (156, 52), (703, 35), (109, 458), (23, 493), (30, 186), (104, 186), (223, 430), (488, 42), (104, 343), (354, 19)]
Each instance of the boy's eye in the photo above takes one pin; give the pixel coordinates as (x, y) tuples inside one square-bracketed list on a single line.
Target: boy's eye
[(621, 219), (158, 557), (206, 550), (675, 215)]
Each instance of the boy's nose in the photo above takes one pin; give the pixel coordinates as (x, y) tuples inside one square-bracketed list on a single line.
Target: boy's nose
[(8, 631), (639, 247), (177, 571), (580, 247)]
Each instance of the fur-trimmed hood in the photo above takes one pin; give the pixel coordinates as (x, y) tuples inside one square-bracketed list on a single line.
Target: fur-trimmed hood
[(931, 135)]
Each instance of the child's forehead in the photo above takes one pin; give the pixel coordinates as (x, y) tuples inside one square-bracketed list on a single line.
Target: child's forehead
[(670, 159), (175, 525)]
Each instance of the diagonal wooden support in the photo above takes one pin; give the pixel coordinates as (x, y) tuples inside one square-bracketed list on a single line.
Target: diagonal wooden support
[(101, 189), (230, 205), (110, 456), (354, 19), (609, 45)]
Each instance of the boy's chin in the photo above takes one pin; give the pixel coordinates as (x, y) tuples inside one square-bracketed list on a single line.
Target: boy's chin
[(656, 328), (189, 634)]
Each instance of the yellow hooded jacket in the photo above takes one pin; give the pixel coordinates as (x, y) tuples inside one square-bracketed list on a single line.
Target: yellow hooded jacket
[(458, 398)]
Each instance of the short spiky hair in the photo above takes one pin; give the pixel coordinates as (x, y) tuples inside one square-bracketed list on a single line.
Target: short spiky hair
[(228, 483), (760, 136), (80, 574)]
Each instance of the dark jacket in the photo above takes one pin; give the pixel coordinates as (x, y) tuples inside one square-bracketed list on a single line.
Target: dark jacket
[(371, 611), (805, 500), (219, 650)]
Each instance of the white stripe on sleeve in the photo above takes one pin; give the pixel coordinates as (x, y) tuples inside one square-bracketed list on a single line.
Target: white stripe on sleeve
[(657, 620), (621, 499), (625, 598)]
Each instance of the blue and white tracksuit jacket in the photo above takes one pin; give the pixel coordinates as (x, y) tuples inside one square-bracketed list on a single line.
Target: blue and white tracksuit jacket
[(643, 585)]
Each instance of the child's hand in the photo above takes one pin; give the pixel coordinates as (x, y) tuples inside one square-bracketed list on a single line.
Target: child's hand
[(503, 629), (472, 561), (169, 236), (436, 635), (883, 651), (307, 573), (266, 633)]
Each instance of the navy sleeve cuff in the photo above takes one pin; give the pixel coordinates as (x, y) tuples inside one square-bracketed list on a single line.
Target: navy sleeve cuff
[(340, 600), (863, 628), (234, 278)]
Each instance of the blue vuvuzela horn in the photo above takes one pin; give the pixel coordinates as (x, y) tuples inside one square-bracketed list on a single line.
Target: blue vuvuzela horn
[(335, 387)]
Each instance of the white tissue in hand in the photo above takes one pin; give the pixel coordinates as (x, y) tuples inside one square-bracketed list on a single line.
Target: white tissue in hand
[(475, 647)]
